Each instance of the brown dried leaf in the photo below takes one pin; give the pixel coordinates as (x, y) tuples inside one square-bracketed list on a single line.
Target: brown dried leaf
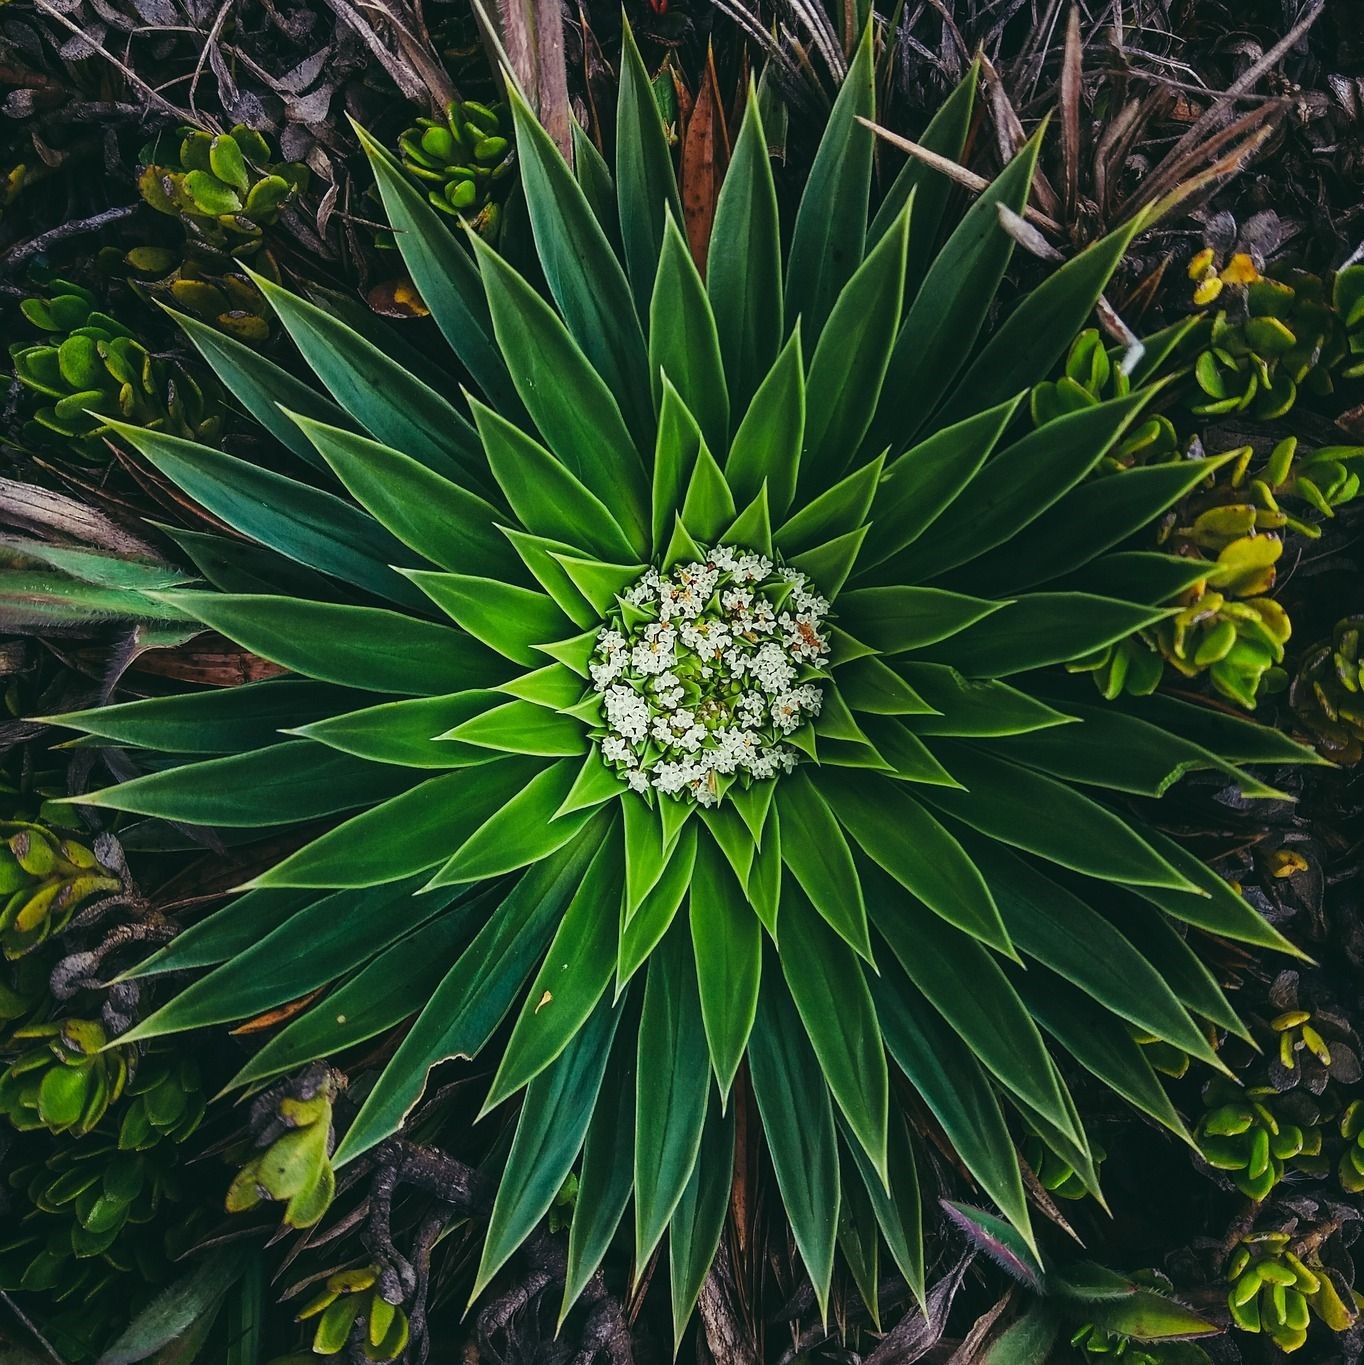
[(705, 154)]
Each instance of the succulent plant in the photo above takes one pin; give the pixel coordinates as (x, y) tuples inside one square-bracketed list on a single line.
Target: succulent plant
[(1276, 1292), (292, 1162), (1240, 1133), (463, 161), (45, 877), (1057, 1175), (89, 369), (1327, 694), (65, 1080), (350, 1307), (711, 673), (1277, 335), (226, 190)]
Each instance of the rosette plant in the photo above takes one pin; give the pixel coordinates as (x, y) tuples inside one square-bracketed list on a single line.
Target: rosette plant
[(684, 694)]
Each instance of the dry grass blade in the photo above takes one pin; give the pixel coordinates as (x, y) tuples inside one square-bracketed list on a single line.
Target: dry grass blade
[(1207, 180), (1071, 75), (954, 171), (533, 34), (1010, 136)]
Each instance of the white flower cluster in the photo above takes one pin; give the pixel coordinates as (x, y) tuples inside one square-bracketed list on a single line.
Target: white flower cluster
[(710, 681)]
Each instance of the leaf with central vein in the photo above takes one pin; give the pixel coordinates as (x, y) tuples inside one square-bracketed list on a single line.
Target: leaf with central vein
[(923, 482), (974, 706), (1060, 930), (744, 266), (1018, 485), (814, 848), (1004, 801), (728, 948), (1039, 629), (644, 169), (405, 731), (683, 344), (521, 727), (694, 1233), (899, 619), (604, 1180), (355, 646), (962, 981), (391, 404), (438, 519), (567, 399), (278, 785), (829, 988), (302, 523), (946, 317), (306, 951), (896, 832), (507, 618), (520, 832), (571, 979), (583, 272), (477, 991), (225, 720), (545, 494), (410, 833), (798, 1119), (850, 360), (767, 445), (831, 222), (261, 387), (549, 1133), (672, 1083), (444, 274)]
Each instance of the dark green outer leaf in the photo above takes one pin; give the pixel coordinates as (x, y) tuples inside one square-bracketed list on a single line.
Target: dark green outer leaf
[(896, 832), (1036, 334), (1018, 485), (799, 1122), (962, 981), (1002, 801), (1237, 738), (1057, 928), (408, 731), (1039, 629), (226, 720), (728, 947), (302, 523), (367, 647), (391, 404), (897, 620), (411, 833), (830, 992), (644, 168), (925, 480), (897, 1211), (241, 566), (744, 267), (583, 272), (694, 1233), (672, 1084), (952, 1084), (549, 1133), (1100, 513), (381, 994), (604, 1179), (572, 977), (1098, 1042), (278, 785), (594, 179), (831, 223), (683, 342), (642, 933), (445, 276), (263, 388), (848, 367), (980, 707), (568, 400), (946, 134), (950, 309), (307, 950), (463, 1012), (448, 526)]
